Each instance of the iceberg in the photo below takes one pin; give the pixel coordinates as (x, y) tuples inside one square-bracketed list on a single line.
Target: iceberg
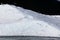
[(16, 20)]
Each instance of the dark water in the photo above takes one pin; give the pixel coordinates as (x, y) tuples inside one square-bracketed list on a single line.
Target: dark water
[(28, 38)]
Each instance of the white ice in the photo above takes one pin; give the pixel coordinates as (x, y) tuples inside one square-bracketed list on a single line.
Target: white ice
[(19, 21)]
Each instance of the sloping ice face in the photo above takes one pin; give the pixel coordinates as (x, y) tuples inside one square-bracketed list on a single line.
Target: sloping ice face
[(19, 21)]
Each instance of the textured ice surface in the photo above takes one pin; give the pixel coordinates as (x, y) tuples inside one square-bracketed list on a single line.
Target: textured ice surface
[(56, 16), (18, 21), (9, 14)]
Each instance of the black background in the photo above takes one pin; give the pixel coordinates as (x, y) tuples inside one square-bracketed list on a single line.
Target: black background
[(50, 7)]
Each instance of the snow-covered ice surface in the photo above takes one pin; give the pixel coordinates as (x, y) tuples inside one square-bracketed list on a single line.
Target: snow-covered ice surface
[(56, 16), (19, 21), (9, 14)]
